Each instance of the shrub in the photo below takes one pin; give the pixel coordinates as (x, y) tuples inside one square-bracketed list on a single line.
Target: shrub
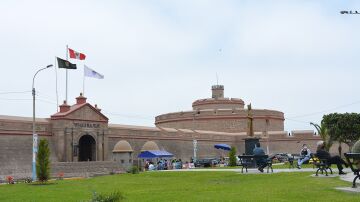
[(112, 197), (232, 157), (134, 170), (43, 161), (10, 179)]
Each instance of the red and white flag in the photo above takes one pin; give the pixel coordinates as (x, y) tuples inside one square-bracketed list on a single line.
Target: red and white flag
[(76, 55)]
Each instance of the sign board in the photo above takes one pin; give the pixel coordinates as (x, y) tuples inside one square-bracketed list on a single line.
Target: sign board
[(86, 125)]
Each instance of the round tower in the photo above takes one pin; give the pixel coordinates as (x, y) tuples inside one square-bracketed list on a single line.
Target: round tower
[(222, 114)]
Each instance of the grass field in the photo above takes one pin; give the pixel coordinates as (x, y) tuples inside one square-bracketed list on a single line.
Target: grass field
[(187, 186)]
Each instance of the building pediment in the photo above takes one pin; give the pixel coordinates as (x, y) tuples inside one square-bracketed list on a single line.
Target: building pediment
[(81, 112)]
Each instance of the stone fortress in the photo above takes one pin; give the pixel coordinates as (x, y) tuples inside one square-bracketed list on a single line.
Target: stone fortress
[(223, 115), (83, 141)]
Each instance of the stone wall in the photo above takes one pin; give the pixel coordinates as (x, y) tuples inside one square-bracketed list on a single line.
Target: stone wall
[(16, 154), (221, 103), (85, 169), (178, 142), (16, 142), (223, 120)]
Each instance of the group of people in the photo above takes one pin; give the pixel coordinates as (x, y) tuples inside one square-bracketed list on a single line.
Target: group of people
[(305, 155), (163, 164)]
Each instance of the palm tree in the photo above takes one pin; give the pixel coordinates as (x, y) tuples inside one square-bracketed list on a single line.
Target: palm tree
[(324, 134)]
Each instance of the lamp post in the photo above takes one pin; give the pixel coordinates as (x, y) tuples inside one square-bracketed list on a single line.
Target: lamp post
[(34, 149)]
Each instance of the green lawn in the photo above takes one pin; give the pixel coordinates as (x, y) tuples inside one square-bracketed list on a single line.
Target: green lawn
[(188, 186)]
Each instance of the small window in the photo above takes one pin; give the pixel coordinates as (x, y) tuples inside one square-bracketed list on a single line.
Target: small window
[(122, 161)]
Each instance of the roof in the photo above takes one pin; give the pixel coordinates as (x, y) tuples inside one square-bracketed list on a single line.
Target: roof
[(149, 146), (155, 154), (76, 107), (122, 146)]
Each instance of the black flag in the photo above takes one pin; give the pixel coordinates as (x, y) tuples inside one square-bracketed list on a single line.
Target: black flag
[(65, 64)]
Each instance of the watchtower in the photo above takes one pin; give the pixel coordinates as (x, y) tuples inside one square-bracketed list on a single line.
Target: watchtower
[(217, 91)]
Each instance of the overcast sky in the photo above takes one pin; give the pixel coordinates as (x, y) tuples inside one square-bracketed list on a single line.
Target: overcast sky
[(298, 57)]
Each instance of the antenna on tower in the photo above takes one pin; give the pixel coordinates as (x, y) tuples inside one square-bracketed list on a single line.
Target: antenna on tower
[(217, 79)]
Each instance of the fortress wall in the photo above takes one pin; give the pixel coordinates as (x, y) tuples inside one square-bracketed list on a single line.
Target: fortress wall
[(272, 125), (16, 154), (11, 126), (218, 106), (220, 103), (178, 142), (223, 120), (227, 125)]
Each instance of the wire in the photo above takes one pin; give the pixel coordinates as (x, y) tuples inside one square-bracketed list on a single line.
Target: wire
[(42, 100), (129, 116), (289, 119), (17, 92), (14, 99), (323, 111), (27, 99)]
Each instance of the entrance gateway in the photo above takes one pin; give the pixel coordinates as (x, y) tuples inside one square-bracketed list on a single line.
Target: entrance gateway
[(87, 148)]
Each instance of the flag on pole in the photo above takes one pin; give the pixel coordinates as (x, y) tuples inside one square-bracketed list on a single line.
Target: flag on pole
[(76, 55), (65, 64), (91, 73)]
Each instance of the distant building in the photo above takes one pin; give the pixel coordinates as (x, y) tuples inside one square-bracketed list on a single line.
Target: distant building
[(84, 143)]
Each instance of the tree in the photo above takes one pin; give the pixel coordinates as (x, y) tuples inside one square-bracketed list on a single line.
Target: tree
[(323, 132), (43, 161), (232, 156), (344, 128)]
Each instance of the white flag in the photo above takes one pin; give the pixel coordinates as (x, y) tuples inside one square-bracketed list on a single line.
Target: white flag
[(91, 73)]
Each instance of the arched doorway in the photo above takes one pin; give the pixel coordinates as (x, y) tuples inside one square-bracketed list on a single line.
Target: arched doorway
[(87, 148)]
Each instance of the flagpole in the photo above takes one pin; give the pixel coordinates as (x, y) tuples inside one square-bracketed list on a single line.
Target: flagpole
[(67, 58), (84, 81), (56, 86)]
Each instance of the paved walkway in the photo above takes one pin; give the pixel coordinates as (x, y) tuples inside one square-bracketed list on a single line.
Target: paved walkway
[(348, 177), (253, 170)]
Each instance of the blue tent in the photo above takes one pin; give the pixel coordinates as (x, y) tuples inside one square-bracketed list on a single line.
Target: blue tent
[(222, 146), (154, 154)]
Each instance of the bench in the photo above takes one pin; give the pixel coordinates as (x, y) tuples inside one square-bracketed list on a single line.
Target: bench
[(249, 161), (293, 158), (353, 160), (321, 165)]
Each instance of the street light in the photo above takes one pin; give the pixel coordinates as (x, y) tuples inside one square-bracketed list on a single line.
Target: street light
[(33, 123)]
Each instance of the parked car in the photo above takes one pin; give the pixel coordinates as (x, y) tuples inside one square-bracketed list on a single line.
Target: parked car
[(206, 162), (281, 157)]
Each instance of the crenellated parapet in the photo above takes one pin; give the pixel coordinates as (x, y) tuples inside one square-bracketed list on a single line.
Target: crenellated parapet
[(221, 103)]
